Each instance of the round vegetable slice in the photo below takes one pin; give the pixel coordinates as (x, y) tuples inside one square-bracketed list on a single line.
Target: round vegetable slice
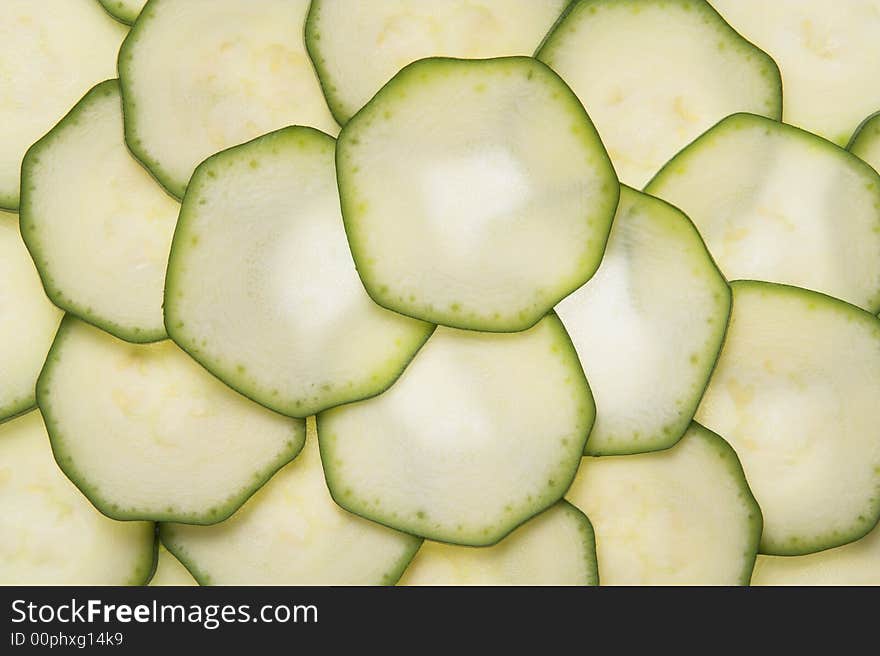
[(655, 74), (246, 73), (292, 533), (480, 433), (98, 226), (357, 47), (170, 571), (28, 321), (124, 10), (779, 204), (146, 433), (51, 534), (828, 52), (683, 516), (51, 53), (555, 548), (261, 286), (795, 393), (857, 563), (647, 327), (865, 142), (499, 208)]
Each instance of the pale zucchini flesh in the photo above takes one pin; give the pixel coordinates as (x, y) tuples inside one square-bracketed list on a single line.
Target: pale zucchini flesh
[(556, 547), (52, 535), (865, 142), (292, 533), (654, 74), (683, 516), (285, 320), (480, 433), (124, 10), (199, 76), (358, 46), (499, 209), (28, 321), (51, 53), (98, 226), (647, 327), (795, 394), (170, 571), (779, 204), (146, 433)]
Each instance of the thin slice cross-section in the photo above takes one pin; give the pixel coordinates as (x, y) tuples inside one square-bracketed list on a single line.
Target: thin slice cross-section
[(98, 226), (654, 74), (795, 393), (146, 433), (480, 433), (779, 204), (865, 142), (199, 76), (124, 10), (52, 535), (292, 533), (683, 516), (647, 327), (170, 571), (261, 286), (556, 547), (358, 46)]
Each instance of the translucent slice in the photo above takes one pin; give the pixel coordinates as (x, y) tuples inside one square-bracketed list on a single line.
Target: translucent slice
[(262, 289), (683, 516), (292, 533), (480, 433), (98, 225), (779, 204), (865, 142), (499, 209), (654, 74), (647, 327), (795, 393), (124, 10), (199, 76), (170, 571), (146, 433)]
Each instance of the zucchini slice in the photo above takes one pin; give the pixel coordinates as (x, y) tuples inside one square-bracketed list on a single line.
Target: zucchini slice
[(51, 534), (170, 571), (262, 290), (358, 46), (292, 533), (865, 142), (123, 10), (199, 76), (51, 53), (779, 204), (654, 74), (28, 321), (146, 433), (499, 209), (647, 327), (555, 548), (795, 393), (98, 226), (829, 55), (857, 563), (683, 516), (480, 433)]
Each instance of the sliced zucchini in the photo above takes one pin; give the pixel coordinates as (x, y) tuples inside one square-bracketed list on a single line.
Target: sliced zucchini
[(555, 548), (480, 433), (828, 52), (779, 204), (98, 226), (170, 571), (146, 433), (865, 142), (51, 534), (124, 10), (262, 289), (683, 516), (647, 327), (199, 76), (654, 74), (51, 53), (292, 533), (857, 563), (795, 393), (500, 208), (28, 321), (357, 47)]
